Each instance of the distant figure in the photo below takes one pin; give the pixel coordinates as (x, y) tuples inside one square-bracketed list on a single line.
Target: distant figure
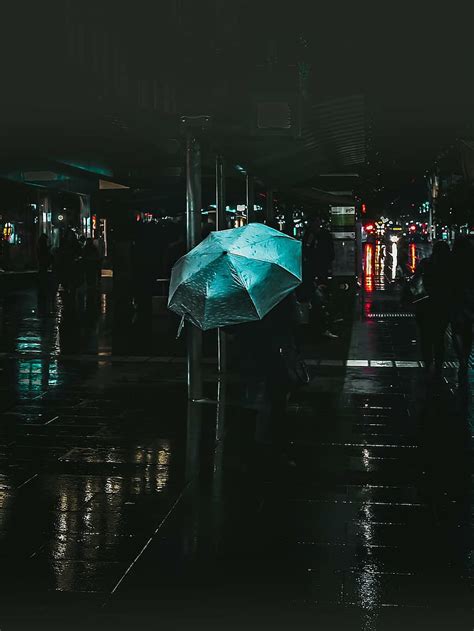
[(432, 313), (68, 262), (402, 258), (322, 312), (259, 344), (462, 315), (4, 253), (45, 259), (101, 246), (43, 255), (145, 265), (92, 264), (318, 250)]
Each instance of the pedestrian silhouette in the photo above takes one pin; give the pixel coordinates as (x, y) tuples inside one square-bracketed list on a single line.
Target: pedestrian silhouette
[(44, 258), (462, 315), (68, 263), (92, 265), (433, 310)]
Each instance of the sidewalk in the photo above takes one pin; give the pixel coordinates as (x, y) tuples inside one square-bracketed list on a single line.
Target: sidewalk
[(119, 510)]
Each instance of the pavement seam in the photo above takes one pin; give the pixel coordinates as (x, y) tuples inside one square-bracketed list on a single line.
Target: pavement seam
[(161, 524)]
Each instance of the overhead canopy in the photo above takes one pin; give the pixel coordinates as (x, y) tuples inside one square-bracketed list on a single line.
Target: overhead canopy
[(293, 93)]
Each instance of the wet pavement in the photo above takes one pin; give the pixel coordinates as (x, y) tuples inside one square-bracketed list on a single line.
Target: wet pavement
[(121, 506)]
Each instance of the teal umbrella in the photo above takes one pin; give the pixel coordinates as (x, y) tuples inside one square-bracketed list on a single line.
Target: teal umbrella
[(235, 276)]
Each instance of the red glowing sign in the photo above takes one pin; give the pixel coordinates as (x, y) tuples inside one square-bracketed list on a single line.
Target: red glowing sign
[(412, 264), (369, 227)]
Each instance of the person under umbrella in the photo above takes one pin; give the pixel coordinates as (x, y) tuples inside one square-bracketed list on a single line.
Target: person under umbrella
[(235, 276), (245, 279)]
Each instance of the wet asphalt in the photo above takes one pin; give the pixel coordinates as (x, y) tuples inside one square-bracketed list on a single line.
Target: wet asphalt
[(123, 506)]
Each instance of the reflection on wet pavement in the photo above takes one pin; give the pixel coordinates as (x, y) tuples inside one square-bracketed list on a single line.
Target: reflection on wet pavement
[(121, 506), (381, 263)]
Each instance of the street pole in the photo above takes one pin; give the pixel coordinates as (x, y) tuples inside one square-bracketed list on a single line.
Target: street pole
[(269, 212), (193, 236), (433, 219), (250, 195), (430, 222), (434, 190), (85, 214), (220, 225), (288, 218), (220, 194), (359, 253)]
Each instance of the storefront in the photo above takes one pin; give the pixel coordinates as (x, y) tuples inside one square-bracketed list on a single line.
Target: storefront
[(26, 212), (18, 226)]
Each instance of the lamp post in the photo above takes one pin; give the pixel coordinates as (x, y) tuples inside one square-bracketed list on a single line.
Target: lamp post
[(434, 192), (220, 225), (269, 209), (194, 127), (250, 198)]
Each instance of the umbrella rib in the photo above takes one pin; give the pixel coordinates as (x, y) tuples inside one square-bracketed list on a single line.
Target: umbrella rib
[(279, 265), (245, 278), (194, 273), (237, 275)]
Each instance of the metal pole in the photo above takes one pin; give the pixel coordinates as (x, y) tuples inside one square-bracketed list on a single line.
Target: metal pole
[(193, 233), (218, 512), (220, 225), (220, 194), (359, 253), (434, 192), (85, 205), (433, 219), (250, 190), (269, 212), (289, 223)]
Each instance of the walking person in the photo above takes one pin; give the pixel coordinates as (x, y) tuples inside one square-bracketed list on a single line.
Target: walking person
[(432, 309), (68, 263), (402, 270), (318, 250), (4, 253), (462, 315), (92, 265), (268, 354), (44, 258), (318, 257), (145, 266)]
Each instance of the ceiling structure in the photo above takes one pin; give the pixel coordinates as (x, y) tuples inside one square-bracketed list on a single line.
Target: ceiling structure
[(295, 92)]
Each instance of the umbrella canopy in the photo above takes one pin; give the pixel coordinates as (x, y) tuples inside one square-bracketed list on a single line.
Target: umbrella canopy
[(235, 276)]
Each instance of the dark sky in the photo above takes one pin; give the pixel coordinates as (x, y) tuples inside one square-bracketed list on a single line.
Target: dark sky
[(414, 61)]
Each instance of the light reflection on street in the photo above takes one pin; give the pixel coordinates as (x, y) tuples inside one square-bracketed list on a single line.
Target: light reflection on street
[(37, 375), (413, 260), (368, 267), (57, 326), (394, 260), (80, 515), (368, 582), (381, 264)]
